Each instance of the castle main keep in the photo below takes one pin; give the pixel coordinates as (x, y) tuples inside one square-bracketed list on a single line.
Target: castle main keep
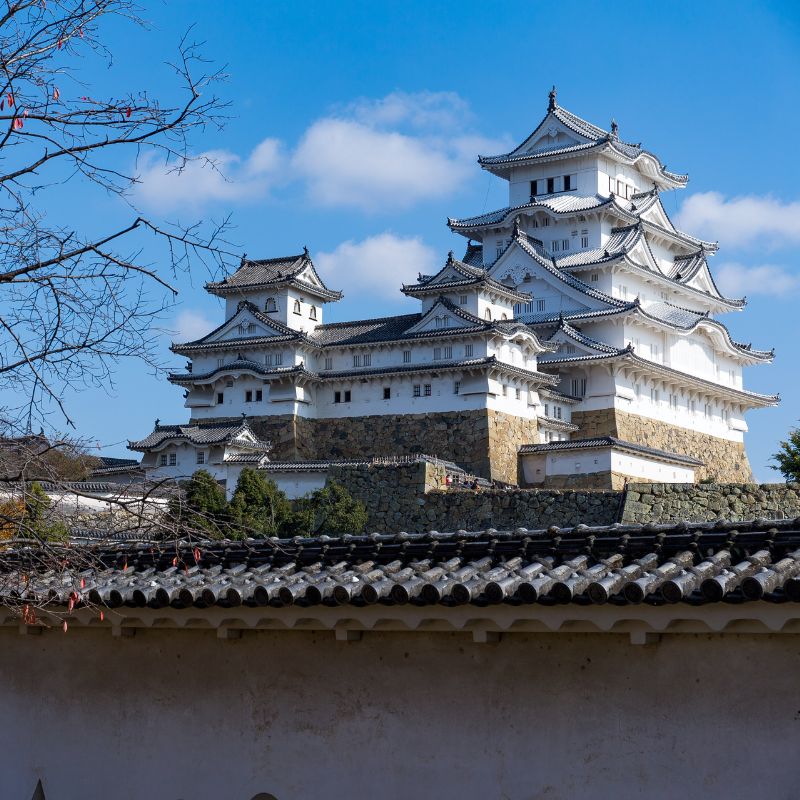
[(575, 342)]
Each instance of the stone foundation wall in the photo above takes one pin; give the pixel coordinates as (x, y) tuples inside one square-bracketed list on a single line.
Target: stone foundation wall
[(671, 502), (483, 442), (404, 498), (725, 461)]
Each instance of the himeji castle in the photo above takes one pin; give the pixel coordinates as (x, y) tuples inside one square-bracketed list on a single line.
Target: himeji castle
[(574, 344)]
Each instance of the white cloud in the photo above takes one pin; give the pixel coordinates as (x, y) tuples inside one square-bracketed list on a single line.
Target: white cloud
[(437, 110), (216, 175), (347, 163), (741, 221), (373, 154), (738, 280), (377, 265), (190, 325)]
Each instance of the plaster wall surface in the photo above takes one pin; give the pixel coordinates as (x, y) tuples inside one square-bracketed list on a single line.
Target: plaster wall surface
[(182, 715)]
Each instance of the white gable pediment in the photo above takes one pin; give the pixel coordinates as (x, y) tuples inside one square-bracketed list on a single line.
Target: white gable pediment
[(658, 216), (568, 345), (702, 281), (641, 254), (523, 270), (307, 275), (552, 134), (439, 317), (243, 324)]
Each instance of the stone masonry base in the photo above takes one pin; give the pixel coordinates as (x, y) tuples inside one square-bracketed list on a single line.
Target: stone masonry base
[(484, 442), (725, 461)]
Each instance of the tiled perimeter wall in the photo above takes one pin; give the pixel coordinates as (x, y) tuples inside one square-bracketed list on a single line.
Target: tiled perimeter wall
[(405, 498)]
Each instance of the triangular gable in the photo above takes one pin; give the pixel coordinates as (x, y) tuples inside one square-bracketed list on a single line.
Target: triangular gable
[(702, 281), (571, 341), (309, 276), (444, 315), (657, 214), (552, 134), (245, 316), (532, 273)]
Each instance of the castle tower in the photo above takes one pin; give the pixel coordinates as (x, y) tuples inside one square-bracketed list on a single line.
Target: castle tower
[(628, 299)]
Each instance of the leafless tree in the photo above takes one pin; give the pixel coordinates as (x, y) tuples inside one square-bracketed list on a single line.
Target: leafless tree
[(73, 303), (75, 300)]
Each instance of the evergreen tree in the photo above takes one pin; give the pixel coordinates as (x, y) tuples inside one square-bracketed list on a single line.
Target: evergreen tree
[(204, 506), (259, 507), (332, 511), (788, 457)]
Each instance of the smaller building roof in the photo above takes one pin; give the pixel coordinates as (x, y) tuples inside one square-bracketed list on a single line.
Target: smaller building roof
[(254, 275), (211, 433), (600, 442)]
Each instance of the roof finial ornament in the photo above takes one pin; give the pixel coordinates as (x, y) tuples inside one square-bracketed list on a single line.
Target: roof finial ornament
[(551, 98), (305, 251), (450, 257), (158, 421), (614, 129)]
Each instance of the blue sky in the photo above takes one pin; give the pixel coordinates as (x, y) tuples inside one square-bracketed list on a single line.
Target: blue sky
[(355, 126)]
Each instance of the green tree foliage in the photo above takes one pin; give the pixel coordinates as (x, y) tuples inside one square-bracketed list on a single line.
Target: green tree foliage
[(259, 507), (203, 508), (332, 511), (38, 520), (788, 457)]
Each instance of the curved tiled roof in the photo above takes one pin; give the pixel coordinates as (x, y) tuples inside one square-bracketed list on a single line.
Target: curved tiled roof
[(692, 563), (561, 203), (239, 364), (207, 434), (255, 274), (597, 138)]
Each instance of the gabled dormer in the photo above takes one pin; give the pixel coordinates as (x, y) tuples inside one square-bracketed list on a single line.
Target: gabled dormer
[(288, 289), (468, 287)]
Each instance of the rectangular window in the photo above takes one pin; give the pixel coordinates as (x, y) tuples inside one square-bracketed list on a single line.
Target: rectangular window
[(546, 222), (337, 397), (387, 393), (437, 353), (595, 277), (468, 351), (568, 186), (448, 351), (417, 390), (278, 359), (428, 390), (220, 362), (557, 412), (201, 457), (533, 188), (620, 190), (673, 401), (546, 409), (220, 398), (555, 245), (347, 395), (328, 363), (259, 395), (173, 459), (367, 359), (518, 393), (707, 410), (578, 387), (251, 328), (654, 397), (356, 361), (163, 460), (565, 244), (551, 185), (248, 397), (457, 387), (462, 300), (584, 241), (229, 383), (534, 223), (693, 406), (406, 356), (540, 305)]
